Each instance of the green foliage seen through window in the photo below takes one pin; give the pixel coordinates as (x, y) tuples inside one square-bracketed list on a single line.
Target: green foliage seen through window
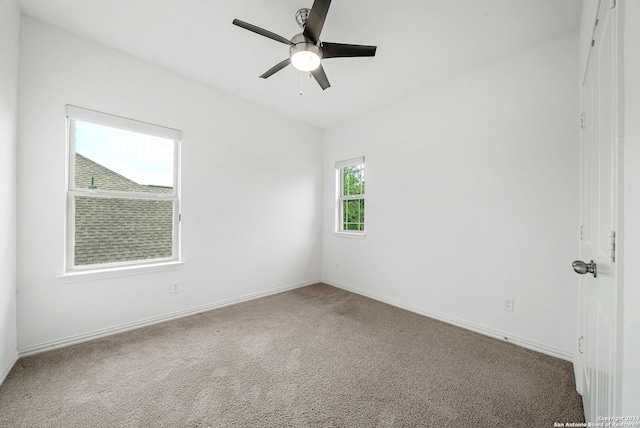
[(353, 208)]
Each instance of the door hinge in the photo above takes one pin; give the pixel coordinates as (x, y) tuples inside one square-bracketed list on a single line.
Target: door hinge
[(582, 120), (180, 217), (580, 339), (582, 232), (611, 248), (612, 3)]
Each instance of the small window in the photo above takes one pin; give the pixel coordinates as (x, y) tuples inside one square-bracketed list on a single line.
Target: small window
[(123, 205), (350, 196)]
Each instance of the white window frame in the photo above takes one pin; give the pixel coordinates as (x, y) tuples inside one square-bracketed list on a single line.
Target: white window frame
[(85, 115), (340, 198)]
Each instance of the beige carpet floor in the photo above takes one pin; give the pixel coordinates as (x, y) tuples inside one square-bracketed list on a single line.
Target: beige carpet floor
[(312, 357)]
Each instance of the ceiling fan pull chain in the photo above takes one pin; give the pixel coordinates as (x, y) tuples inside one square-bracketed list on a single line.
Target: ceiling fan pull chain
[(300, 84)]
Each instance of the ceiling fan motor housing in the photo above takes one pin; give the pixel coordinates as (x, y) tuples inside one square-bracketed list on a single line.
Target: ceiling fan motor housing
[(301, 43)]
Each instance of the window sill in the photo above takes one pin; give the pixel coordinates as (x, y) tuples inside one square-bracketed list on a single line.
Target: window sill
[(349, 235), (95, 274)]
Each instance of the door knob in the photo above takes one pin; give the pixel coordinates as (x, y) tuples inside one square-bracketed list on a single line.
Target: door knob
[(581, 267)]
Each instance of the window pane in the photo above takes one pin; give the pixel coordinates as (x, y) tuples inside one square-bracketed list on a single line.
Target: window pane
[(345, 208), (111, 230), (353, 214), (115, 159), (353, 180), (352, 211)]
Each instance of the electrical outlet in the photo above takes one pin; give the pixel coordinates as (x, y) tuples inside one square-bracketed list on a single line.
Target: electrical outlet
[(508, 305), (337, 266), (174, 288)]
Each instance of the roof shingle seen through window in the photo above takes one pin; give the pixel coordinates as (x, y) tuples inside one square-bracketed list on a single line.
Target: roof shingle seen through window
[(109, 230)]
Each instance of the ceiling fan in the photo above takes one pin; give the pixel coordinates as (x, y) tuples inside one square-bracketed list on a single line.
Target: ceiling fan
[(305, 49)]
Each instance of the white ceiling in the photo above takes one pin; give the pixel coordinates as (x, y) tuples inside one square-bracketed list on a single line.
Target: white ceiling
[(420, 43)]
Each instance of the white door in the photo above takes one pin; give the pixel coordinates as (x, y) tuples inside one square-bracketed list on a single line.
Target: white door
[(596, 365)]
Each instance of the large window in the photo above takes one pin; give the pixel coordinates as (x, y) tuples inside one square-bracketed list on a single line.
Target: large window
[(350, 196), (123, 204)]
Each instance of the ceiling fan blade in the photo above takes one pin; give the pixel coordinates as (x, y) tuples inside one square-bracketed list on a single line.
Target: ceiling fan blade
[(336, 50), (273, 70), (261, 31), (318, 14), (321, 77)]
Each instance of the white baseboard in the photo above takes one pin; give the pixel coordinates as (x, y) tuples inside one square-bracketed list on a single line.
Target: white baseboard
[(525, 343), (6, 368), (85, 337), (73, 340)]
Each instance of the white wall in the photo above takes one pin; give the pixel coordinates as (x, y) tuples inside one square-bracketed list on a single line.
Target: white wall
[(471, 199), (251, 191), (631, 292), (9, 34)]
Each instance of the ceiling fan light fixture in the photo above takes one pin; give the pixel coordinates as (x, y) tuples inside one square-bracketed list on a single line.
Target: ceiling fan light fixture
[(305, 56), (305, 60)]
